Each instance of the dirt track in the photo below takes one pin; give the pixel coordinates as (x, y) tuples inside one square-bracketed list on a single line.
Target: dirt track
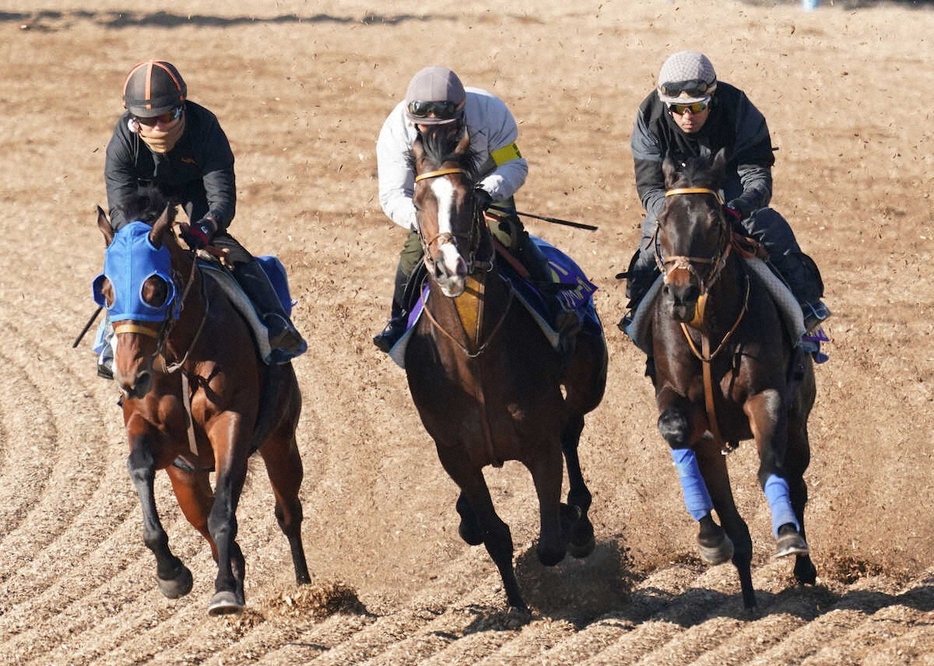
[(301, 89)]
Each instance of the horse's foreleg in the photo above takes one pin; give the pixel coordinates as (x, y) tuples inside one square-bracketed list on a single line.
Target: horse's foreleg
[(769, 422), (580, 535), (222, 523), (173, 576), (713, 466), (476, 509), (284, 468)]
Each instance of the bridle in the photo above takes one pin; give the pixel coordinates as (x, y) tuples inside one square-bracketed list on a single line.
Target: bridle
[(668, 265), (471, 238)]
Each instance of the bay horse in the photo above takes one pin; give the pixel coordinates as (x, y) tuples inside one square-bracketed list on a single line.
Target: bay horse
[(487, 384), (726, 369), (196, 398)]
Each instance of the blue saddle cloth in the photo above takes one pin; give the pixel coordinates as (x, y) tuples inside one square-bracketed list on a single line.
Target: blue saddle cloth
[(573, 290)]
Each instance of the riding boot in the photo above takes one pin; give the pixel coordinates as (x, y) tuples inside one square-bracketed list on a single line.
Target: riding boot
[(104, 347), (283, 335), (642, 273), (803, 278), (398, 316)]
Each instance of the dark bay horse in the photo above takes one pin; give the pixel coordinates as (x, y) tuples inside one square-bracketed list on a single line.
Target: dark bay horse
[(487, 384), (725, 370), (196, 398)]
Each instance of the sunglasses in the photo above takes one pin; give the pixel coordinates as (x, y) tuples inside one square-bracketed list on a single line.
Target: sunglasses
[(163, 118), (442, 110), (679, 109), (694, 87)]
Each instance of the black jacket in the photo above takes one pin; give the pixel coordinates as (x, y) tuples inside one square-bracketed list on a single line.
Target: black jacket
[(198, 173), (734, 123)]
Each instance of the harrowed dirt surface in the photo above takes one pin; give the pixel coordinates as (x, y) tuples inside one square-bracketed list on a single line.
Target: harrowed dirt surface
[(302, 89)]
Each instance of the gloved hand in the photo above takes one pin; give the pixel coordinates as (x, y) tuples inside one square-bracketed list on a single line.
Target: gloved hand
[(484, 198), (732, 214), (199, 234)]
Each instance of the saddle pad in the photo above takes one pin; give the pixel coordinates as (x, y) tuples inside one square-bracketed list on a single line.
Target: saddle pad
[(235, 293), (786, 303)]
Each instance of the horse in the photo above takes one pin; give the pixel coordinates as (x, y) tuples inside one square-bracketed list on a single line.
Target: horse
[(196, 398), (725, 368), (487, 384)]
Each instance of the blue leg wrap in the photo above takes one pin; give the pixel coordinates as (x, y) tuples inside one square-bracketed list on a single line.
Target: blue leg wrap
[(776, 492), (696, 498)]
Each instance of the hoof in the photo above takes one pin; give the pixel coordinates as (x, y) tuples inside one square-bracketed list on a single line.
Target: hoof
[(581, 550), (718, 551), (178, 586), (790, 542), (225, 603)]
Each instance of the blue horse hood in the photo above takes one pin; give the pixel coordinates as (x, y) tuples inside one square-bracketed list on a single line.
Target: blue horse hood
[(129, 261)]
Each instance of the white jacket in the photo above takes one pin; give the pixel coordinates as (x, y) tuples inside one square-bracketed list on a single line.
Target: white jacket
[(493, 132)]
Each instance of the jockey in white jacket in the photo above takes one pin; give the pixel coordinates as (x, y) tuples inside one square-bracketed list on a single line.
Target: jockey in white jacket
[(437, 101)]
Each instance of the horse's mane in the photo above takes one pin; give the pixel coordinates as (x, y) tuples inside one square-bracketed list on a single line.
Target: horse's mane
[(441, 147), (146, 205)]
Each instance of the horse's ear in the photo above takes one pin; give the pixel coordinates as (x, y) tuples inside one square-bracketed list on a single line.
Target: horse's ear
[(718, 166), (104, 225), (159, 227), (670, 171)]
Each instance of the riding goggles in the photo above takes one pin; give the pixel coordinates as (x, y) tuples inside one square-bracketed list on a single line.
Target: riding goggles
[(441, 110), (693, 88), (164, 118), (679, 109)]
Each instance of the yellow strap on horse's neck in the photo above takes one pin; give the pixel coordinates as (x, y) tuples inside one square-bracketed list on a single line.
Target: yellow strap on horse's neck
[(694, 190), (439, 172)]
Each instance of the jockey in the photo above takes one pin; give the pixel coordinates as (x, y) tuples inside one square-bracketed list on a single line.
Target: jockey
[(166, 141), (690, 112), (436, 101)]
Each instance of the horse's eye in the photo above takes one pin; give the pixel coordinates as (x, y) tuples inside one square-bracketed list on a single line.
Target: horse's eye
[(155, 291)]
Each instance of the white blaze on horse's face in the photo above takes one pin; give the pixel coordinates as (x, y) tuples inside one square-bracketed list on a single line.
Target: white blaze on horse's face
[(450, 268)]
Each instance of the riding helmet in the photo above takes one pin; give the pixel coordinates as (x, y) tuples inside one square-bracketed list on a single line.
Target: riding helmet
[(686, 77), (152, 88), (435, 84)]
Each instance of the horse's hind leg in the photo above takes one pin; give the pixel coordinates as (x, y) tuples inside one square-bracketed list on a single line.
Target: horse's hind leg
[(173, 576), (580, 532), (797, 459), (284, 467), (547, 471)]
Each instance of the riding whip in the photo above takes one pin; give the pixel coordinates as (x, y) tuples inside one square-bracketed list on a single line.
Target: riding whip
[(555, 220), (87, 326)]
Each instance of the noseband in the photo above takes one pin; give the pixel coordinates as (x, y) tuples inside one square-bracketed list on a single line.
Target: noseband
[(670, 264)]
